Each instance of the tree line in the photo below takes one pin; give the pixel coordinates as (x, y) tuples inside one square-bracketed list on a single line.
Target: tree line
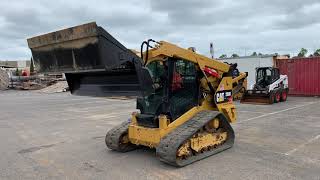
[(234, 55), (303, 53)]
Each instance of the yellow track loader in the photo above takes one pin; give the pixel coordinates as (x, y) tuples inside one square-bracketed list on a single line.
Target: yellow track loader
[(185, 99)]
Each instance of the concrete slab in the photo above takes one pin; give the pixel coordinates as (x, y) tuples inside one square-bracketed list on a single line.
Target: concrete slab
[(60, 136)]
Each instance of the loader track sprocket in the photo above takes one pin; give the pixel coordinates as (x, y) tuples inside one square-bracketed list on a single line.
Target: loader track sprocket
[(117, 138), (168, 148)]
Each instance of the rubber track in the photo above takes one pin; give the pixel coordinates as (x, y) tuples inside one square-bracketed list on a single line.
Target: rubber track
[(113, 138), (169, 145)]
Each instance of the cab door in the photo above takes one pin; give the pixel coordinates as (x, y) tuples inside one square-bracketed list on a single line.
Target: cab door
[(183, 88)]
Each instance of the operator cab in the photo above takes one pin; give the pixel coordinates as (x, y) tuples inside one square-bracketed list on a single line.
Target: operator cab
[(266, 76), (175, 91)]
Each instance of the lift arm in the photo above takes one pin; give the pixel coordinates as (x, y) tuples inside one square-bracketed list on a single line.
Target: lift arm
[(165, 49)]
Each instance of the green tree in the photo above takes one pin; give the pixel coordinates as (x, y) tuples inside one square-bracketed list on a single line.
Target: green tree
[(303, 52), (234, 55), (31, 66), (317, 52), (223, 56), (260, 54), (254, 54)]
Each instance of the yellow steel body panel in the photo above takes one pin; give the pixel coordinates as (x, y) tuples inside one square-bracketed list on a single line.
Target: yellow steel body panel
[(240, 77), (151, 137), (166, 49)]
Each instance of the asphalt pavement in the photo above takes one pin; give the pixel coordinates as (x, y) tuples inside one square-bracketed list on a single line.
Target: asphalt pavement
[(61, 136)]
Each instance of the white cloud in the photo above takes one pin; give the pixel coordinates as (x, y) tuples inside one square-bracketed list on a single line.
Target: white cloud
[(265, 26)]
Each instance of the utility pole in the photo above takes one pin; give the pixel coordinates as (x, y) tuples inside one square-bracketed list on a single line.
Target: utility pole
[(211, 50)]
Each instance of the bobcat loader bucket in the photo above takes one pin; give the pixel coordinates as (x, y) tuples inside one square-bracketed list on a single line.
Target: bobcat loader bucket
[(257, 97), (94, 62)]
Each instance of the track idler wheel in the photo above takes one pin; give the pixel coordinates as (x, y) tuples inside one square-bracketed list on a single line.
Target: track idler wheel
[(117, 138), (205, 134)]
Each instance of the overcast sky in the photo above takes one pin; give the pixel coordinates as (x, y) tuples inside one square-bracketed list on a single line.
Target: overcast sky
[(241, 27)]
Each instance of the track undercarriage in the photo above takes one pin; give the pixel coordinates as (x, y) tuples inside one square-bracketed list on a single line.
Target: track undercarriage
[(207, 133)]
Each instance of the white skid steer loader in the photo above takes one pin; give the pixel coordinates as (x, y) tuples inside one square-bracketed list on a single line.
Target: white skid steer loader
[(270, 87)]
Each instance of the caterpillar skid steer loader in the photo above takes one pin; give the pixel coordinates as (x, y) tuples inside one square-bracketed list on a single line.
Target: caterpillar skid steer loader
[(186, 112), (185, 100), (270, 87)]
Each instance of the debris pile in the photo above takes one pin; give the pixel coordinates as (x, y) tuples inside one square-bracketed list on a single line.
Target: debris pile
[(59, 86), (37, 82), (4, 80)]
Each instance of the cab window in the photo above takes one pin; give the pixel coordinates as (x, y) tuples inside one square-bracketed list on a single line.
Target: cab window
[(156, 70)]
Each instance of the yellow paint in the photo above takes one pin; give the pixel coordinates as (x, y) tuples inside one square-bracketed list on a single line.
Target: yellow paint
[(151, 136), (163, 122), (240, 77), (207, 140), (214, 124), (166, 49), (184, 149), (240, 94)]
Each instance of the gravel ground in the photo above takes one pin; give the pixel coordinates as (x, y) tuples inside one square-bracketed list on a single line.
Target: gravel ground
[(60, 136)]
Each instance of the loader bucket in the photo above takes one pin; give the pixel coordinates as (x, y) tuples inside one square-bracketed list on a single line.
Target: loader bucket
[(94, 62), (103, 83), (256, 97)]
